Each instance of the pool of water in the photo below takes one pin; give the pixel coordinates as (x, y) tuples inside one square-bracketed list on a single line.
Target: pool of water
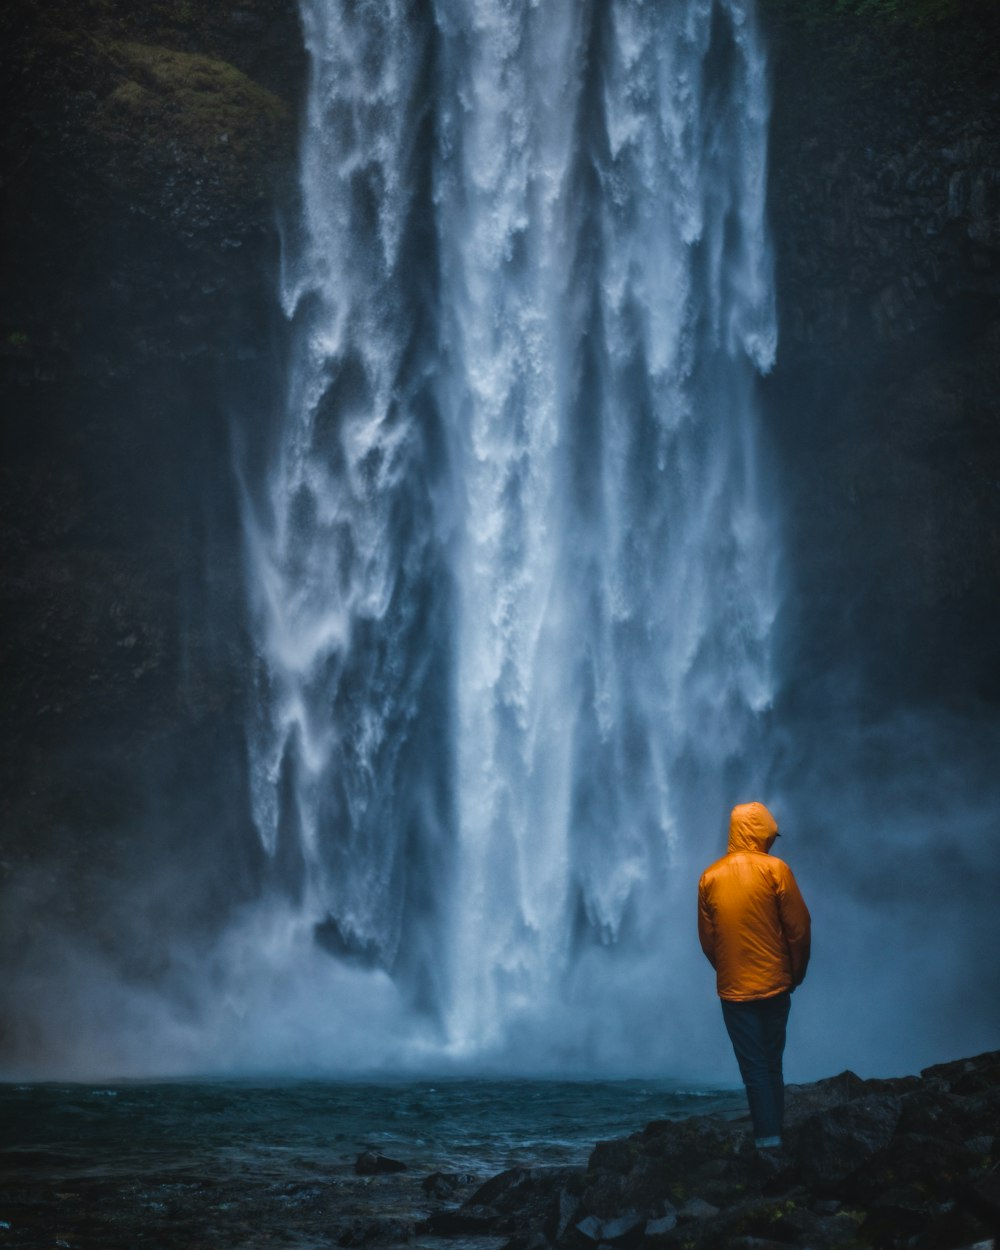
[(460, 1124), (234, 1163)]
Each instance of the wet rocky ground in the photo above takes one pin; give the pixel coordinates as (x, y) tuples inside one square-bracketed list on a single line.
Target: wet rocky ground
[(295, 1162), (911, 1163), (326, 1206), (908, 1163)]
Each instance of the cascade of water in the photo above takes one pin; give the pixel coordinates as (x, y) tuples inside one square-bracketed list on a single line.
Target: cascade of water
[(513, 583), (604, 247), (349, 787)]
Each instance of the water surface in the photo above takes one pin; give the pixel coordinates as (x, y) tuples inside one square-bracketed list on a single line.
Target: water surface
[(250, 1162)]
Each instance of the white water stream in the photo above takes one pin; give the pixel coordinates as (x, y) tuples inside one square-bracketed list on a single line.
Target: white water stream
[(514, 579)]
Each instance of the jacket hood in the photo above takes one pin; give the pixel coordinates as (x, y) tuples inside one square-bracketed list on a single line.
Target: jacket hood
[(751, 828)]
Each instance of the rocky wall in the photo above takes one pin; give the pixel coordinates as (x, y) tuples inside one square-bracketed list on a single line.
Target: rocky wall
[(885, 204), (146, 154)]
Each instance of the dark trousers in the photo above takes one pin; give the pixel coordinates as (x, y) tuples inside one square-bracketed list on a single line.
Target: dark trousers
[(757, 1031)]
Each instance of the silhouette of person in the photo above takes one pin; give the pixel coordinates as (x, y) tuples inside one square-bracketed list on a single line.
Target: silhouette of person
[(754, 927)]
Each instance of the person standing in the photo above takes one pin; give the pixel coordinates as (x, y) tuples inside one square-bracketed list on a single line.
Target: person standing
[(754, 927)]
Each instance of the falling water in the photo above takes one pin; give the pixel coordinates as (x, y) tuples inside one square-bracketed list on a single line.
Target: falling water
[(513, 571)]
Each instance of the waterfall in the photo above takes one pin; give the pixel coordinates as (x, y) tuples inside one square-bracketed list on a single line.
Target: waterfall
[(350, 785), (512, 568)]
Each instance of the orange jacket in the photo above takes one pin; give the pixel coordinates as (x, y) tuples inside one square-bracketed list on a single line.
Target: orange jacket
[(752, 922)]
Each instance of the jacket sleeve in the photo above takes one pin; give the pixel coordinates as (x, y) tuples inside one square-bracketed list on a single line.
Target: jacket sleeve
[(795, 923), (706, 925)]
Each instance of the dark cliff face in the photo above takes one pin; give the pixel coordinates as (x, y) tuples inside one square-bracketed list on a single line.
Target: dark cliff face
[(885, 203), (144, 152), (147, 154)]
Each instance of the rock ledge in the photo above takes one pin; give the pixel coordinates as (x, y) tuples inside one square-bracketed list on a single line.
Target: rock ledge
[(907, 1163)]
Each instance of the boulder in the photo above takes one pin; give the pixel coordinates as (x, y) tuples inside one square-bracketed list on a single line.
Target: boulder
[(967, 1076), (622, 1228), (468, 1219), (564, 1209), (370, 1164), (697, 1209), (834, 1144), (983, 1196), (522, 1189), (661, 1226), (443, 1184), (589, 1229)]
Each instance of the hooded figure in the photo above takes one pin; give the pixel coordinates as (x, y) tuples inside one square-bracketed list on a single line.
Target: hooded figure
[(754, 929)]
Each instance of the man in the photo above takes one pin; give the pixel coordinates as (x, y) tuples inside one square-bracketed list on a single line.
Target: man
[(754, 928)]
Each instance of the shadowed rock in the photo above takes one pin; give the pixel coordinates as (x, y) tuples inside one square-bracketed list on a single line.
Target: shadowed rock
[(370, 1164), (470, 1219), (443, 1184), (834, 1144), (907, 1164)]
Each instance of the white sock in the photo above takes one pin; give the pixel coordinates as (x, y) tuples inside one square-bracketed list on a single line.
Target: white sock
[(766, 1143)]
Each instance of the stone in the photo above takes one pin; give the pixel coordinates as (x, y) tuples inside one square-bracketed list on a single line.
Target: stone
[(967, 1076), (523, 1190), (899, 1211), (590, 1229), (834, 1144), (500, 1186), (620, 1227), (370, 1164), (772, 1167), (984, 1196), (614, 1156), (475, 1220), (697, 1209), (918, 1158), (443, 1184), (657, 1228), (564, 1209), (932, 1114)]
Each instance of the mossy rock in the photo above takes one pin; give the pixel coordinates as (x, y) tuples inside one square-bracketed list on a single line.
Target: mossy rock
[(179, 106)]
